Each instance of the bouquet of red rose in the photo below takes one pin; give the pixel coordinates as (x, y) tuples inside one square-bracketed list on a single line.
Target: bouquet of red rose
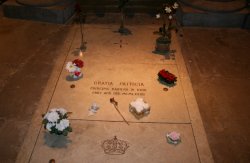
[(74, 68), (167, 77)]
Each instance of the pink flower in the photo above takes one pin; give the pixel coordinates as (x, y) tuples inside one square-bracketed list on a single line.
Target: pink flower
[(175, 136)]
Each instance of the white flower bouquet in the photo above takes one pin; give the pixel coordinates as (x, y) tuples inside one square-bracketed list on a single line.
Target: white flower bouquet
[(56, 121)]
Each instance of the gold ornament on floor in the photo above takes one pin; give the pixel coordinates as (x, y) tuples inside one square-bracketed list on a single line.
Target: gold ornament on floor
[(115, 146)]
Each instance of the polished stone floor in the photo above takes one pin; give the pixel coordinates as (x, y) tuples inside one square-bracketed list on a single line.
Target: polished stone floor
[(218, 62), (34, 57), (124, 71)]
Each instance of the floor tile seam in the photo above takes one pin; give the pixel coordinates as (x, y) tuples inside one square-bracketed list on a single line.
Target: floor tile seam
[(184, 78), (187, 108), (132, 122), (115, 63), (182, 90), (195, 141), (58, 78)]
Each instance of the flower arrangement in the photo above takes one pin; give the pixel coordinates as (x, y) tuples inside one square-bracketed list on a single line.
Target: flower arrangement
[(167, 77), (74, 68), (173, 137), (167, 13), (139, 108), (56, 121), (93, 109)]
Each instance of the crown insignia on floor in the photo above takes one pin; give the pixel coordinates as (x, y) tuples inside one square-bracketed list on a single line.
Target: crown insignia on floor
[(115, 146)]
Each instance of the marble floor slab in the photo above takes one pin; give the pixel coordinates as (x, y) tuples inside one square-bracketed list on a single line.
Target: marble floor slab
[(125, 68), (105, 45), (124, 82), (147, 144), (125, 73)]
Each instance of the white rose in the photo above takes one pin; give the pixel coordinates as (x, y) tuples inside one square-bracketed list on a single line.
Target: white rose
[(65, 123), (158, 16), (62, 111), (170, 17), (60, 126), (49, 126), (168, 10), (52, 116)]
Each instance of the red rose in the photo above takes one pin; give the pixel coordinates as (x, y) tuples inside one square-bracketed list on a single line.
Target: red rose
[(167, 75), (77, 73), (163, 73), (79, 63)]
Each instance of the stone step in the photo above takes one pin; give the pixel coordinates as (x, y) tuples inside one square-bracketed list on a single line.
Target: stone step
[(54, 13), (113, 8), (138, 6), (115, 2), (214, 13), (203, 13)]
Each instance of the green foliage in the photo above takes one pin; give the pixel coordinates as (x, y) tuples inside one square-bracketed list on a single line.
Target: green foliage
[(65, 132), (45, 121), (70, 129)]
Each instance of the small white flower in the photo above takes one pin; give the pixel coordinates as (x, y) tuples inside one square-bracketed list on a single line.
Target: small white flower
[(60, 127), (168, 9), (71, 67), (62, 111), (170, 17), (175, 6), (158, 16), (52, 116), (49, 126), (65, 123)]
